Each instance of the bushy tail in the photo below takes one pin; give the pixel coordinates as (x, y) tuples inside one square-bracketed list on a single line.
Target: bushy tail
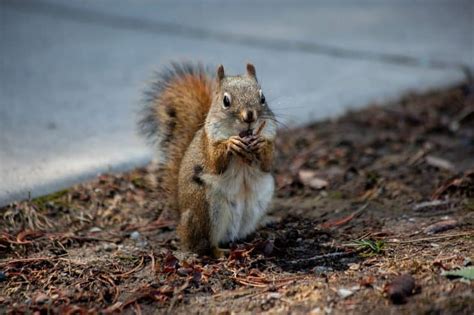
[(176, 107)]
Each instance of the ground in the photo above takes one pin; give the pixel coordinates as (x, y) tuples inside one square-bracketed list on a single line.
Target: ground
[(374, 207)]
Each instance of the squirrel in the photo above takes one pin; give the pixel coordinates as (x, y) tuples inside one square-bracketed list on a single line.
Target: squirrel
[(215, 138)]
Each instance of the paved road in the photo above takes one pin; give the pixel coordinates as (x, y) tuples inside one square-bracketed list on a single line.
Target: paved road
[(71, 73)]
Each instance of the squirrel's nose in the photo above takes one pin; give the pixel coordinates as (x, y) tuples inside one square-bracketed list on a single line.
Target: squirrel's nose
[(248, 116)]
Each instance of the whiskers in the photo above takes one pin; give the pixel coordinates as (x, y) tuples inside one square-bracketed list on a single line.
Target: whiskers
[(276, 119), (222, 129)]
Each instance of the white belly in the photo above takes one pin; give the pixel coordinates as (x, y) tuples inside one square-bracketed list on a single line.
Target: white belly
[(238, 199)]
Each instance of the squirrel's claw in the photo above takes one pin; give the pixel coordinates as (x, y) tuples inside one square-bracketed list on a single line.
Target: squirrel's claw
[(238, 142), (238, 147), (257, 144)]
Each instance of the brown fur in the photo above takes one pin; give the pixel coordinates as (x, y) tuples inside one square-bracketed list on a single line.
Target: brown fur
[(193, 229), (182, 109), (265, 155), (217, 157), (184, 103)]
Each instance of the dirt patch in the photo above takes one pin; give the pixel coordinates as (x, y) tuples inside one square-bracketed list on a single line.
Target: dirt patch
[(367, 202)]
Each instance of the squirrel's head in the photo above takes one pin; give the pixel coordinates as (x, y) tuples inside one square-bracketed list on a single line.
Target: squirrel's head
[(238, 104)]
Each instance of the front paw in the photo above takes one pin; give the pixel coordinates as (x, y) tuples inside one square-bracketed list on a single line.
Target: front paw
[(239, 147), (256, 144)]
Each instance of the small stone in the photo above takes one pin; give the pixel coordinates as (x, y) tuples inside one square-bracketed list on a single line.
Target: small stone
[(274, 295), (354, 266), (135, 235), (40, 298), (183, 272), (95, 229), (344, 293), (109, 247), (308, 178), (318, 183), (322, 269)]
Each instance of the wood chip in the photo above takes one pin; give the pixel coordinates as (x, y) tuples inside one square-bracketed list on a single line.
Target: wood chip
[(441, 226), (308, 178), (430, 204), (439, 163)]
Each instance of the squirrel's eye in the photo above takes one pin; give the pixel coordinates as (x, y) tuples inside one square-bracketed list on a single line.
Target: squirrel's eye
[(226, 100), (262, 97)]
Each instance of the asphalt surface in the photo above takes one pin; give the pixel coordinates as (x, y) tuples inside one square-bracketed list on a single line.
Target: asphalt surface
[(72, 73)]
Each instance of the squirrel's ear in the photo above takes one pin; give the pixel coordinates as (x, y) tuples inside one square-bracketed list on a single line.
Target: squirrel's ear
[(220, 73), (251, 70)]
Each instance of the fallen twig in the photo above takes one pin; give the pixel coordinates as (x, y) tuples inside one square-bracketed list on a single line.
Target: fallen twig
[(132, 270), (345, 220), (430, 238), (152, 256), (429, 204), (26, 260)]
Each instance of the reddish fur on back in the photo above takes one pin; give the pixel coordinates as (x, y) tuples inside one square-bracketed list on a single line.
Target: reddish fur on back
[(178, 106)]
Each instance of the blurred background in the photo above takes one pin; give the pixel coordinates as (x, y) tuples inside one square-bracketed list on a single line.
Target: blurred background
[(72, 72)]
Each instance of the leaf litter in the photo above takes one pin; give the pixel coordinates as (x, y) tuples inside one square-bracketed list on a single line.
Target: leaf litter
[(375, 207)]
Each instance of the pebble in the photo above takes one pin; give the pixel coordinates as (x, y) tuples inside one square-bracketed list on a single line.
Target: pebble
[(95, 229), (344, 293), (135, 235), (354, 266), (308, 178), (183, 272), (322, 269), (274, 295), (109, 247)]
